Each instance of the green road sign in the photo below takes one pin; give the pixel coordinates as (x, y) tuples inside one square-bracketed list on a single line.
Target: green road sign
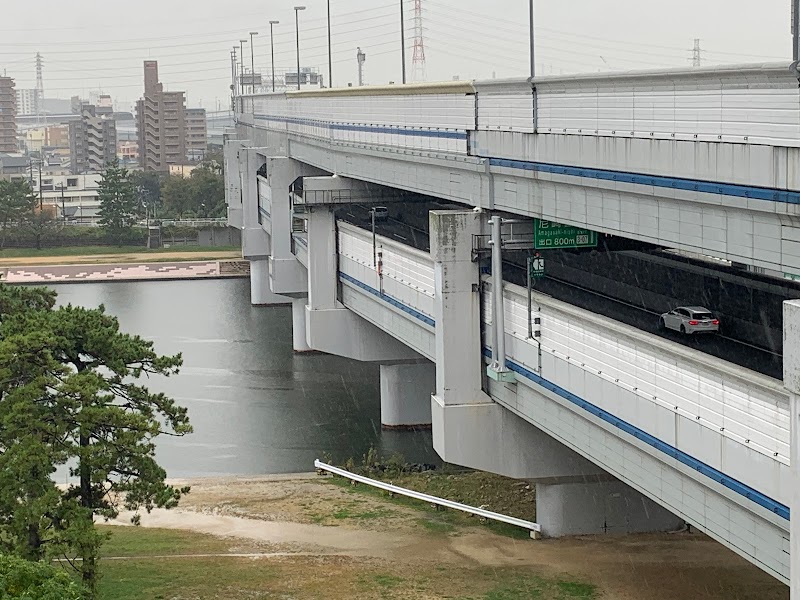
[(549, 235), (535, 267)]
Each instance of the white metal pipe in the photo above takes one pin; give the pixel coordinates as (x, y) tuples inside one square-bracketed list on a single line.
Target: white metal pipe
[(498, 316), (486, 514)]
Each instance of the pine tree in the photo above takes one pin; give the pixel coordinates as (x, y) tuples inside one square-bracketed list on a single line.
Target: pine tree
[(118, 201), (73, 397)]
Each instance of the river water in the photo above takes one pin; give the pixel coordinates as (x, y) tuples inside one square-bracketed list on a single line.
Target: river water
[(256, 407)]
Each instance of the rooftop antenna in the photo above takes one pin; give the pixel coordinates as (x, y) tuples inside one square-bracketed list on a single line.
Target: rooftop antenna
[(361, 58), (418, 64)]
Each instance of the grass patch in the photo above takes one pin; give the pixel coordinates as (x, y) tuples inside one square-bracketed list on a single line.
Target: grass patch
[(387, 581), (444, 519), (435, 526), (140, 541), (183, 577), (347, 513), (529, 587)]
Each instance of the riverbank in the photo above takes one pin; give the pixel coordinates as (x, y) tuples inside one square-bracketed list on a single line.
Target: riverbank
[(148, 271), (308, 536)]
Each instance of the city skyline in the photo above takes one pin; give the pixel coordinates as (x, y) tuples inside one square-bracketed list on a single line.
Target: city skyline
[(466, 39)]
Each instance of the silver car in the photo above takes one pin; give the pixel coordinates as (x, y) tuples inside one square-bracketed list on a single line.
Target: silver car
[(690, 320)]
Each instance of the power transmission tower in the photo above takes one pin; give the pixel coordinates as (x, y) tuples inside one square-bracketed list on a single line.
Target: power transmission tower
[(696, 57), (39, 93), (361, 58), (418, 64)]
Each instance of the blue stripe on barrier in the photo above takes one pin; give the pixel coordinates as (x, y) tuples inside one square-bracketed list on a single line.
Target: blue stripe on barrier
[(732, 484), (386, 298), (264, 212), (714, 474), (692, 185), (301, 241), (396, 130)]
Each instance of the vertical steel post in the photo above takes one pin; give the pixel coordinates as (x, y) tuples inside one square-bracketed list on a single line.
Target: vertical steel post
[(252, 63), (530, 298), (403, 39), (498, 322), (272, 50), (532, 42), (796, 30), (241, 65), (374, 240), (297, 10), (330, 54)]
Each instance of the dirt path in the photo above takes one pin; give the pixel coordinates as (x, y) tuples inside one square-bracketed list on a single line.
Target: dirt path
[(294, 514), (137, 257)]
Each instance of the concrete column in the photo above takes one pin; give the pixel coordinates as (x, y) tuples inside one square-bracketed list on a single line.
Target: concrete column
[(330, 327), (287, 275), (599, 506), (791, 380), (299, 342), (406, 395), (260, 294), (459, 362)]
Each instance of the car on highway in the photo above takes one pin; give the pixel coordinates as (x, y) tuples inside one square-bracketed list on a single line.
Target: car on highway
[(690, 320), (381, 213)]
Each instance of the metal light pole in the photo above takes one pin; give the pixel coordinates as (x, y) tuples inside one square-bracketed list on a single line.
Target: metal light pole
[(252, 63), (403, 39), (297, 10), (272, 50), (241, 64), (533, 39), (330, 59)]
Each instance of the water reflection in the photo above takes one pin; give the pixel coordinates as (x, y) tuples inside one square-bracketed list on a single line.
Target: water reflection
[(256, 407)]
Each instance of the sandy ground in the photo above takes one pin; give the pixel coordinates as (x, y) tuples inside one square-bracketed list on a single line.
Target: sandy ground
[(120, 258), (292, 514)]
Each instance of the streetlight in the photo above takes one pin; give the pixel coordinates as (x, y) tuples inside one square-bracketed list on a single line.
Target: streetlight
[(252, 63), (241, 63), (63, 209), (330, 59), (297, 10), (533, 46), (403, 39), (272, 51)]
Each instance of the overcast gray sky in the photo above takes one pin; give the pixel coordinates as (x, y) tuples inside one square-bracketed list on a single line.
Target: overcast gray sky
[(92, 45)]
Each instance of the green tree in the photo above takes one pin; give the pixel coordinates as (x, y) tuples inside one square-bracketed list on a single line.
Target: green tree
[(77, 389), (207, 191), (24, 580), (40, 224), (16, 200), (148, 183), (118, 201), (177, 196)]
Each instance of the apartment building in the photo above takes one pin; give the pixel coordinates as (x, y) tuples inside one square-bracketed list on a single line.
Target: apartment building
[(196, 134), (161, 125), (92, 140), (8, 116)]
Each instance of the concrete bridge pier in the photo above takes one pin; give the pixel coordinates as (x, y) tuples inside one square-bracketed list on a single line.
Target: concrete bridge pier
[(791, 380), (260, 294), (406, 395), (299, 337), (574, 496)]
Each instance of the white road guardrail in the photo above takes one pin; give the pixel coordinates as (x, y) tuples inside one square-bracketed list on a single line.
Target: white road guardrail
[(534, 528)]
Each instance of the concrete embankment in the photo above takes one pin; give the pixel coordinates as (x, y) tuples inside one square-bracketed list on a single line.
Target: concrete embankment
[(154, 271)]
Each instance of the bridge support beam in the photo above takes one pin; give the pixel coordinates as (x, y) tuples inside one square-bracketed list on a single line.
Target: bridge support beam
[(260, 294), (602, 505), (330, 327), (791, 380), (299, 338), (287, 275), (406, 395)]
